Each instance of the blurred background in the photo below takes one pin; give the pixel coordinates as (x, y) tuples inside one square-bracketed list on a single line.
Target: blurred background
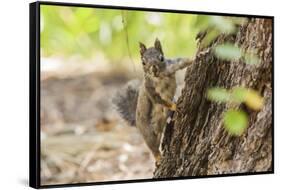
[(86, 55)]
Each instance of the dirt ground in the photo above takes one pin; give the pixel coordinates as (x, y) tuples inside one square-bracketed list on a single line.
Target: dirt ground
[(82, 137)]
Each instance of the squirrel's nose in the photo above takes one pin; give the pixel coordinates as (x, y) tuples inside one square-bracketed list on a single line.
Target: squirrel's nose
[(154, 69)]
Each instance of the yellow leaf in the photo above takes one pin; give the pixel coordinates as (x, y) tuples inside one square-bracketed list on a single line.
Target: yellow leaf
[(254, 100)]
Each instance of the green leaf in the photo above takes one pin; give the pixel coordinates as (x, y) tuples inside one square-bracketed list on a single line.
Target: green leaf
[(211, 35), (228, 52), (251, 59), (223, 24), (239, 94), (218, 94), (235, 122)]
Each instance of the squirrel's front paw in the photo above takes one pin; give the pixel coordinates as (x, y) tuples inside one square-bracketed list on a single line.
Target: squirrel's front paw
[(173, 107)]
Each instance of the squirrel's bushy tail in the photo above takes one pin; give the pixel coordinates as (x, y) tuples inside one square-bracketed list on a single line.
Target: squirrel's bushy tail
[(125, 101)]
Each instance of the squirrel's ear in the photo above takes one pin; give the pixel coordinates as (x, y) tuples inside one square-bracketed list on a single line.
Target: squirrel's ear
[(157, 45), (142, 48)]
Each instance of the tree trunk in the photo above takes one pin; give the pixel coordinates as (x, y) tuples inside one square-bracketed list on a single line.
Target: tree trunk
[(197, 144)]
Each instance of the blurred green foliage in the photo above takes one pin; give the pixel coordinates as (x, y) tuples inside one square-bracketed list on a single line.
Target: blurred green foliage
[(236, 95), (87, 32), (236, 121), (229, 52), (68, 31)]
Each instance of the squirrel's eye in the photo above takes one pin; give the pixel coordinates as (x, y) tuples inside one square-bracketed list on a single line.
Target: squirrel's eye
[(161, 58), (143, 60)]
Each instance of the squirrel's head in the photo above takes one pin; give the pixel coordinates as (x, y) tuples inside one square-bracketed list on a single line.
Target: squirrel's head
[(152, 58)]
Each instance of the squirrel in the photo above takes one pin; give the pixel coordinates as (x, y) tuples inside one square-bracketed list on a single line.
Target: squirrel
[(146, 104)]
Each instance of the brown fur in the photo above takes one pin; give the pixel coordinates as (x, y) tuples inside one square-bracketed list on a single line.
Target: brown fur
[(155, 96), (146, 104)]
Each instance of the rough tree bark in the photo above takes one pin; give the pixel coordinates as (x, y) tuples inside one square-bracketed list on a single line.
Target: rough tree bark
[(197, 144)]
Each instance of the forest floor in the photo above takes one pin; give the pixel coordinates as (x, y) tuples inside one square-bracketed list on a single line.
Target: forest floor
[(82, 137)]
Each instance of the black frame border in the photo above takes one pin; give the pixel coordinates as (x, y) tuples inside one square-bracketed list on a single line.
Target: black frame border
[(34, 93)]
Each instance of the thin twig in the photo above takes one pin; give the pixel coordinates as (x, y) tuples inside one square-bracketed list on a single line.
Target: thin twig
[(127, 38)]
